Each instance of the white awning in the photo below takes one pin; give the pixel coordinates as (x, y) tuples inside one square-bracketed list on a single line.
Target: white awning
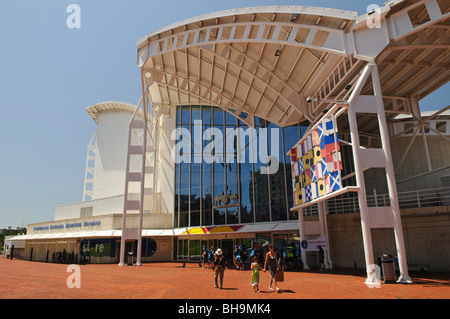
[(291, 225), (247, 228), (87, 234), (151, 232), (260, 227), (167, 232)]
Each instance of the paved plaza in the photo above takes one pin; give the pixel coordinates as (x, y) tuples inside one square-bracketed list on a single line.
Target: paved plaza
[(23, 279)]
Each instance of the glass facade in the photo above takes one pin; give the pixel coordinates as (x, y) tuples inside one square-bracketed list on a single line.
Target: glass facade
[(191, 249), (223, 182)]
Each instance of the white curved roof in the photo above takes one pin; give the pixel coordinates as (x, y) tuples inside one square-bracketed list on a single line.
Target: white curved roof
[(95, 110), (305, 10), (265, 61)]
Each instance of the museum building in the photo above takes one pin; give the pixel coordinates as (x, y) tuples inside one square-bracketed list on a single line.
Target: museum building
[(228, 144)]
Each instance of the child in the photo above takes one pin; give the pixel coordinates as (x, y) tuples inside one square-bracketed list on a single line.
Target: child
[(255, 274)]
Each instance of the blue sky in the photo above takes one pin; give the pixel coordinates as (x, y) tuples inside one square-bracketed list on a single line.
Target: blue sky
[(49, 74)]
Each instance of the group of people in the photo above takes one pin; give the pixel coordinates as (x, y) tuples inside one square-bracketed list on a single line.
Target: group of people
[(217, 261), (63, 257), (290, 258)]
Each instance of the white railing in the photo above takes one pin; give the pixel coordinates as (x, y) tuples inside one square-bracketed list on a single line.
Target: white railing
[(311, 210), (339, 205), (425, 198), (411, 199)]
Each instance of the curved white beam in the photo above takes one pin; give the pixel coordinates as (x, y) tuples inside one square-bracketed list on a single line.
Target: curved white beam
[(257, 32)]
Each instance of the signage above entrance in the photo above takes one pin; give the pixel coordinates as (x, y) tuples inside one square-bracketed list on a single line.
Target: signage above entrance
[(71, 226)]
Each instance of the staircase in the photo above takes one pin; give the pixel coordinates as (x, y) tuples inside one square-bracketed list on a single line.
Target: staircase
[(90, 168)]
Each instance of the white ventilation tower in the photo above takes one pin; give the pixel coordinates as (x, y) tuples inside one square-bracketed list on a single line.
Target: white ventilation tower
[(106, 161)]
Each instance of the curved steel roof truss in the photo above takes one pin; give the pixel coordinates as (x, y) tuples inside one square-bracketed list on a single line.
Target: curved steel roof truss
[(266, 61)]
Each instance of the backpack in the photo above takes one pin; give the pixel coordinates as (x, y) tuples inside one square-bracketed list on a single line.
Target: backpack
[(289, 252), (237, 253), (252, 253)]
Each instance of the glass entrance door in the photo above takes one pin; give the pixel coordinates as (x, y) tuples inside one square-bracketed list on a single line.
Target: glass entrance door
[(228, 249)]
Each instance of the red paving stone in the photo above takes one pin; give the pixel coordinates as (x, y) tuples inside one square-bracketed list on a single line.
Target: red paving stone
[(22, 279)]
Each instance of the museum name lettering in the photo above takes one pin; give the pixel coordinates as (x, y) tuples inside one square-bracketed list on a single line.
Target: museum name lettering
[(68, 225)]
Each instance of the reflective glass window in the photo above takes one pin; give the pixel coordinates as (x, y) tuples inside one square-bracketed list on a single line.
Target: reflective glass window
[(291, 136), (229, 187), (260, 180), (245, 174), (277, 180), (184, 194)]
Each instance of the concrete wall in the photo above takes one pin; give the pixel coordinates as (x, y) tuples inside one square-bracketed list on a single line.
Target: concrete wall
[(415, 162), (103, 206), (164, 250), (426, 234), (39, 248)]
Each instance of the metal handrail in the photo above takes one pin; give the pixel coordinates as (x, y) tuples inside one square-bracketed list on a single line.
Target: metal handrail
[(410, 199)]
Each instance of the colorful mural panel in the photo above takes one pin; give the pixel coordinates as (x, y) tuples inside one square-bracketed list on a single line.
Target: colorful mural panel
[(316, 163)]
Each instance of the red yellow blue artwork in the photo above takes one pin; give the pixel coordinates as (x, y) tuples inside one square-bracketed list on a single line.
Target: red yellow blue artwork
[(316, 163)]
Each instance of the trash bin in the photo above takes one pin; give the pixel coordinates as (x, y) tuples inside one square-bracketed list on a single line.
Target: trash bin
[(387, 262), (130, 258)]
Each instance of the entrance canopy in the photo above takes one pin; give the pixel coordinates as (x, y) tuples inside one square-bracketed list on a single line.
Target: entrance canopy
[(287, 64)]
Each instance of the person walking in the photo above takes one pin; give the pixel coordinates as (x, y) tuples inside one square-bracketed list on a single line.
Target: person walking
[(321, 259), (238, 258), (219, 268), (204, 256), (255, 274), (272, 263), (211, 257)]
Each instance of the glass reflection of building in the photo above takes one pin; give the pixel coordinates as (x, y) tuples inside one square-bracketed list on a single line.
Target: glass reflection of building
[(260, 197)]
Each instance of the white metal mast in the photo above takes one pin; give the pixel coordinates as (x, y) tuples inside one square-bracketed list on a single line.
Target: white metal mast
[(139, 181)]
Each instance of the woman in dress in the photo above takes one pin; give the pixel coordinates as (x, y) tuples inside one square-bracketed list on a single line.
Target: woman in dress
[(272, 262)]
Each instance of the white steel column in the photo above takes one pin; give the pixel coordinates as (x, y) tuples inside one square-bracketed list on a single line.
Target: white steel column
[(390, 174), (359, 173), (415, 109), (124, 217), (302, 235), (375, 217), (144, 154), (324, 232), (133, 197)]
